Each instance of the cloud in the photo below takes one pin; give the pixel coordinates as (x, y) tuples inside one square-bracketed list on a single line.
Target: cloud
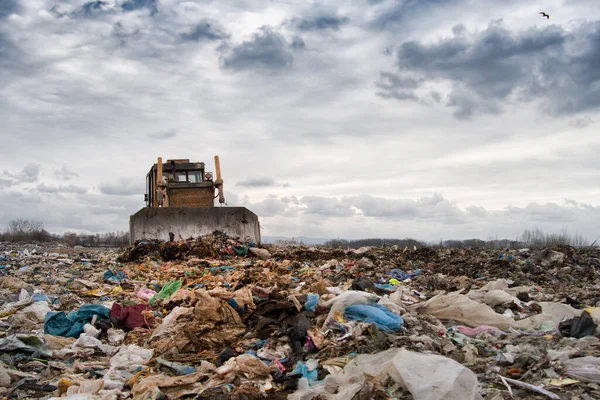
[(132, 5), (93, 9), (123, 187), (170, 134), (324, 206), (65, 174), (29, 174), (205, 30), (8, 7), (266, 51), (486, 69), (258, 182), (6, 183), (60, 189), (582, 122), (321, 22), (394, 13)]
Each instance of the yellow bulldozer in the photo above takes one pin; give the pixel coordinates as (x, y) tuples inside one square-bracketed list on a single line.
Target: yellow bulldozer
[(180, 204)]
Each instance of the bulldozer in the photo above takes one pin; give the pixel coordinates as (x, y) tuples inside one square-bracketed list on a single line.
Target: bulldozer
[(180, 204)]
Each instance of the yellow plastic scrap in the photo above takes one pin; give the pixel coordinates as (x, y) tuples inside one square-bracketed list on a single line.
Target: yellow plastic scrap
[(339, 317), (133, 380), (394, 281), (63, 385), (117, 290), (7, 313), (563, 382), (94, 292)]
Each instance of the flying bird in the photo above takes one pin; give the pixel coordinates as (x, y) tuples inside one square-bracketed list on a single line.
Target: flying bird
[(543, 14)]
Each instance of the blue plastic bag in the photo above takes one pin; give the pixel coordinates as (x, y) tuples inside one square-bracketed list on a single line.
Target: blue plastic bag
[(60, 324), (311, 302), (116, 276), (401, 275), (302, 368), (376, 314)]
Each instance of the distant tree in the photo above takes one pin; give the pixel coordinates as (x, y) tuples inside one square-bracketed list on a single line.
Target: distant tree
[(23, 230)]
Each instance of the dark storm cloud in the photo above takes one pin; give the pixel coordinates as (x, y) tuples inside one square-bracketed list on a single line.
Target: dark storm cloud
[(321, 22), (401, 10), (267, 50), (8, 7), (205, 30), (488, 68), (394, 86), (92, 9), (132, 5), (297, 43)]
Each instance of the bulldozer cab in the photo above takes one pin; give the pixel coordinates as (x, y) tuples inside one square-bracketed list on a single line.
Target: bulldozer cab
[(181, 183), (180, 203)]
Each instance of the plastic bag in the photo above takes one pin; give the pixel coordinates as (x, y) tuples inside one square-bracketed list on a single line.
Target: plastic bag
[(376, 314), (426, 376), (461, 308), (166, 292), (128, 317), (115, 336), (586, 369), (115, 276), (262, 253), (59, 324), (339, 303), (498, 297), (308, 370), (145, 294), (311, 302), (131, 356)]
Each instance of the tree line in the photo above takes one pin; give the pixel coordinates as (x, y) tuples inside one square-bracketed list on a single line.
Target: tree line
[(25, 230), (530, 238)]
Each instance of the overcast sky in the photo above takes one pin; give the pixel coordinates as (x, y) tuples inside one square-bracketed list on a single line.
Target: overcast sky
[(389, 118)]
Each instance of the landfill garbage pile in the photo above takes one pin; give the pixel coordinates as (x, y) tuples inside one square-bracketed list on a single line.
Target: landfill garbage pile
[(216, 318)]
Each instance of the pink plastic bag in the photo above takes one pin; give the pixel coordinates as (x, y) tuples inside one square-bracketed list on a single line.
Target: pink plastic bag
[(145, 294)]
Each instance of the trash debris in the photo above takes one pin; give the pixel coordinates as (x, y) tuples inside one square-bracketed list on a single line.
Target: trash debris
[(217, 318)]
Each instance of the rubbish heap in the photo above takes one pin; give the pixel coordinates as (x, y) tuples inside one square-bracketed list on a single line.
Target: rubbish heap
[(217, 318)]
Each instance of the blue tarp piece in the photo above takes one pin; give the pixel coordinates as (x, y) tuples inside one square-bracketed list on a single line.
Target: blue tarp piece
[(301, 368), (39, 297), (376, 314), (401, 275), (387, 286), (60, 324), (311, 302), (116, 276)]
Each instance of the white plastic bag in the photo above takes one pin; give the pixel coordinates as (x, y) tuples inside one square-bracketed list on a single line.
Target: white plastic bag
[(586, 369), (131, 356), (426, 376)]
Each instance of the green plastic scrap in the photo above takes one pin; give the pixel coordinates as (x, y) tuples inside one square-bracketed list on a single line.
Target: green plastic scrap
[(166, 292), (462, 339)]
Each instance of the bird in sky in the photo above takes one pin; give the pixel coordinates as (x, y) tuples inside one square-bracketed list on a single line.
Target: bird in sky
[(543, 14)]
